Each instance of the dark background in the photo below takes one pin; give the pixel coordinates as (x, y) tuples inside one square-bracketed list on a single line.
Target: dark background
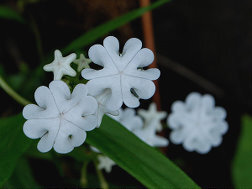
[(211, 40)]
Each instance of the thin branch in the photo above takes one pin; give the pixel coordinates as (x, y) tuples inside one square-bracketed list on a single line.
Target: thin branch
[(83, 180), (13, 93), (150, 43), (103, 181), (185, 72)]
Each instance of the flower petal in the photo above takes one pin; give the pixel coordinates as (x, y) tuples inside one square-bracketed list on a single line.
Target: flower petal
[(145, 89), (203, 146), (178, 107), (79, 92), (111, 44), (81, 116), (36, 128), (32, 111), (92, 74), (69, 136), (61, 94), (128, 98), (219, 113), (220, 127), (99, 55), (190, 143), (44, 99), (159, 141), (150, 74), (143, 58), (130, 50), (207, 103), (130, 120), (45, 128), (192, 100), (98, 86)]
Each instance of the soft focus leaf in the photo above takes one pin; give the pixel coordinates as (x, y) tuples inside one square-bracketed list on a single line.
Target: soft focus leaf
[(8, 13), (12, 146), (16, 81), (242, 164), (140, 160), (109, 26), (143, 162), (22, 177)]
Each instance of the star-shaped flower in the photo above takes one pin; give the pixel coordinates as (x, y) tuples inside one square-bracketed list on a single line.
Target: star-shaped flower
[(146, 132), (82, 62), (197, 123), (61, 65), (105, 163), (121, 73), (60, 119), (152, 115), (148, 135)]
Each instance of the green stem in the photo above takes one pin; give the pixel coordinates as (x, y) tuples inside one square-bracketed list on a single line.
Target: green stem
[(103, 181), (13, 93), (83, 179)]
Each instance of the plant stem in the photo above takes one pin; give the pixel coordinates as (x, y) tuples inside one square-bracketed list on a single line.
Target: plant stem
[(83, 179), (13, 93), (149, 43), (103, 181)]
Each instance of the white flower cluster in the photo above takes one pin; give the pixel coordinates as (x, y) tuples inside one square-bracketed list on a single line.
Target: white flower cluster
[(61, 119), (145, 129), (197, 123)]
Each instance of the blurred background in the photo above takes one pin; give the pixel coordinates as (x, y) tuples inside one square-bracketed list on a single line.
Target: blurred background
[(203, 46)]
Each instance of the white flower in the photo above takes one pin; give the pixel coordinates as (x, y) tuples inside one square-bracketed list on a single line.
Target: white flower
[(148, 135), (146, 132), (197, 123), (152, 114), (82, 62), (60, 119), (105, 163), (61, 65), (120, 73), (102, 109), (129, 119)]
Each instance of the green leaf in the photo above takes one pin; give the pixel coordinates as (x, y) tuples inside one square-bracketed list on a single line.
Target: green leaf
[(143, 162), (8, 13), (109, 26), (242, 164), (140, 160), (12, 145), (22, 177)]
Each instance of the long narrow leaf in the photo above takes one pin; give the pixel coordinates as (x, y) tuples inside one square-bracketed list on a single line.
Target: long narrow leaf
[(22, 177), (103, 29), (140, 160), (242, 164), (8, 13), (13, 144)]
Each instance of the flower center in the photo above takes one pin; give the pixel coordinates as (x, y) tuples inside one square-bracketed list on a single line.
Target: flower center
[(61, 115)]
